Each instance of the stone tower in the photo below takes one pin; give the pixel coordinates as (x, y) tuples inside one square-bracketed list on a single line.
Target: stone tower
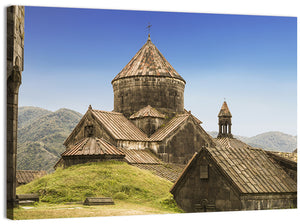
[(224, 122), (148, 79)]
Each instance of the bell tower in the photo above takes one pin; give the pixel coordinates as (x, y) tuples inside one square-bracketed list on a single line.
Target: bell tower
[(224, 122)]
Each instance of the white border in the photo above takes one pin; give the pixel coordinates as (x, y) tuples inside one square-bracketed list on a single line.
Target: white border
[(245, 7)]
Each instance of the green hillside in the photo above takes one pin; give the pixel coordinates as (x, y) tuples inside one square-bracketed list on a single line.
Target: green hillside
[(29, 114), (41, 136), (108, 179)]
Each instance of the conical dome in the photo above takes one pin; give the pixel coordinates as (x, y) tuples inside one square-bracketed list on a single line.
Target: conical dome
[(148, 61), (148, 79)]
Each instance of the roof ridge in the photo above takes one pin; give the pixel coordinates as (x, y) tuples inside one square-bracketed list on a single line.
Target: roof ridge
[(104, 111)]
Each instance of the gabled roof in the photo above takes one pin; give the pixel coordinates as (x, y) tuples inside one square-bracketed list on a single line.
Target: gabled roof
[(26, 176), (231, 142), (147, 111), (148, 61), (119, 126), (164, 131), (92, 146), (224, 111), (172, 125), (250, 170)]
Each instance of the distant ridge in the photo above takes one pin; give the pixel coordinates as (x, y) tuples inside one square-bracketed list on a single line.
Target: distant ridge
[(272, 141)]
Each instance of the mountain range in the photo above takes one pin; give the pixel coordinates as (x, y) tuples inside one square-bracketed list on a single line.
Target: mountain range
[(41, 134)]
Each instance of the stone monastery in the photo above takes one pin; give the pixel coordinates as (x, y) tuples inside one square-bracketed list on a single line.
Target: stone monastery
[(149, 128)]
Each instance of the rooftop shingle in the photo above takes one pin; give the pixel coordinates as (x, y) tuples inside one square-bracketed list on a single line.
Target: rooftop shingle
[(92, 146), (148, 61), (147, 111), (119, 126)]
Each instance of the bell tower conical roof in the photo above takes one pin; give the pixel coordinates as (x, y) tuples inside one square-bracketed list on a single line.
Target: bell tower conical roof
[(148, 61), (224, 112)]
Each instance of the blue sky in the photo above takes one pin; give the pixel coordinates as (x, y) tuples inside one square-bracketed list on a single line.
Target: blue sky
[(71, 56)]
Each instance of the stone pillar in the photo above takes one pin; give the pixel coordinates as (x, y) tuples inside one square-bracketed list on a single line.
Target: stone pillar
[(15, 63)]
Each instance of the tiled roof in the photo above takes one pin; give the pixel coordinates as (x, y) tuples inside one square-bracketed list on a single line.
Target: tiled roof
[(166, 171), (133, 156), (148, 61), (172, 125), (147, 111), (250, 170), (285, 155), (231, 142), (224, 110), (164, 131), (92, 146), (118, 126), (26, 176)]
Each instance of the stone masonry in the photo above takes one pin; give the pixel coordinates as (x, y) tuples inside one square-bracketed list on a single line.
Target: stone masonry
[(15, 65)]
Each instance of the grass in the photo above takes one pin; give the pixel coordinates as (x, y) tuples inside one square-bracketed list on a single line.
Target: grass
[(121, 208), (129, 186)]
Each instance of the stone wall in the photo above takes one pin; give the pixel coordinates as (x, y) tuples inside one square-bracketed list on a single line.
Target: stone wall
[(132, 144), (162, 93), (148, 124), (181, 145), (15, 65), (196, 193)]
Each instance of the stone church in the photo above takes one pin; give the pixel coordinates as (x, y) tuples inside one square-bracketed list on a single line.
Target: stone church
[(150, 127), (148, 115)]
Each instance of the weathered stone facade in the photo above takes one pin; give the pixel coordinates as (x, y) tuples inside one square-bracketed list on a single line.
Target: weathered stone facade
[(163, 93), (15, 65), (180, 145), (216, 180), (208, 193), (148, 124)]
